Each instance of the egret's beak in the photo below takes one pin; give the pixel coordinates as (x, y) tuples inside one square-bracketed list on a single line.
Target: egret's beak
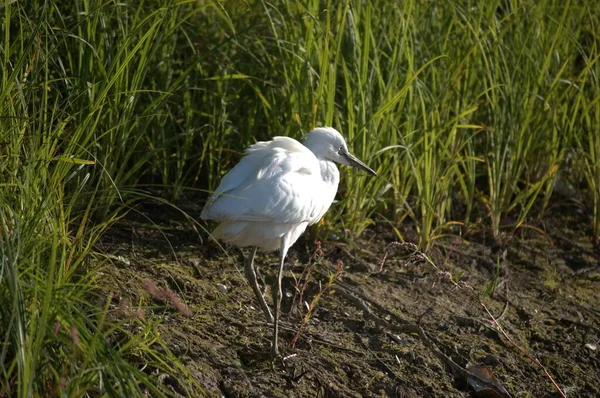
[(353, 161)]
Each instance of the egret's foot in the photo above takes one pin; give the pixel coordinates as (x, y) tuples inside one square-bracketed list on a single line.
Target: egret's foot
[(265, 307), (275, 352), (277, 363), (274, 346), (268, 316)]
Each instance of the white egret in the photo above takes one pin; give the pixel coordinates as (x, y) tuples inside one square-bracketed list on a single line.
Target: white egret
[(278, 188)]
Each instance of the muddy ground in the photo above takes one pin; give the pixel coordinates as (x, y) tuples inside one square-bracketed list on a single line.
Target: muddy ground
[(543, 290)]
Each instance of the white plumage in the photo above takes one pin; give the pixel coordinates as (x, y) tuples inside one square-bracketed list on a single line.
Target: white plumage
[(278, 188)]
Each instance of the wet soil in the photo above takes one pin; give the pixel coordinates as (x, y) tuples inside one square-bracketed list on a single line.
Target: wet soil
[(493, 306)]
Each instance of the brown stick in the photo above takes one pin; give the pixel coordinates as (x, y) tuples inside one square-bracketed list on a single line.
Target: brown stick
[(499, 328)]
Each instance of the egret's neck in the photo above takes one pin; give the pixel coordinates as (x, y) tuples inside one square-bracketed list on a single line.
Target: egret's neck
[(315, 145)]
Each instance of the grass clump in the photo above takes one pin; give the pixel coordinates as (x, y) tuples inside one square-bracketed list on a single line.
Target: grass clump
[(72, 104), (473, 113)]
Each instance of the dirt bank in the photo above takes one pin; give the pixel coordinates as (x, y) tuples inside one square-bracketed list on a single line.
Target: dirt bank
[(541, 290)]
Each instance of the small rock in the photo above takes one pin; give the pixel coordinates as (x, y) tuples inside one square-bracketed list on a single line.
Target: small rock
[(195, 261), (397, 339), (334, 237), (591, 346), (222, 288), (120, 259)]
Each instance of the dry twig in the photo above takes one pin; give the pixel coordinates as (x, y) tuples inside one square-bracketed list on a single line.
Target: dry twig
[(496, 325)]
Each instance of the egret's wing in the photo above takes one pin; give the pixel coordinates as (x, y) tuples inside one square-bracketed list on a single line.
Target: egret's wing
[(276, 181), (253, 160)]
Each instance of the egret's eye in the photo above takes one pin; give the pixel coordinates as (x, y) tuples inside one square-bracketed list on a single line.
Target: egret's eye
[(341, 148)]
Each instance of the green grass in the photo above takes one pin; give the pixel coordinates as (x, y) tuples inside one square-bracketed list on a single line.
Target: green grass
[(471, 112)]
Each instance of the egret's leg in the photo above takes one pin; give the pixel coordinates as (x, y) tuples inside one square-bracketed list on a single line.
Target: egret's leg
[(251, 276), (283, 251)]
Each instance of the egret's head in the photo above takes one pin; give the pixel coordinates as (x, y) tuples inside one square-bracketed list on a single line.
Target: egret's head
[(328, 143)]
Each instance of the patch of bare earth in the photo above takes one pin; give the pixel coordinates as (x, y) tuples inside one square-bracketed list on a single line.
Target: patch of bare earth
[(480, 319)]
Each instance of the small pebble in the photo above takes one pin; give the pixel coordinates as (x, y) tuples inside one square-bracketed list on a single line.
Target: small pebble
[(222, 288), (195, 261), (591, 346), (120, 259)]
